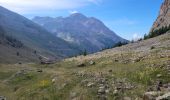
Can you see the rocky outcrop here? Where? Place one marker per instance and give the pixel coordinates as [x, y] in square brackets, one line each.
[163, 17]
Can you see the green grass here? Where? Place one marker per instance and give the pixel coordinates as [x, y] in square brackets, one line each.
[38, 86]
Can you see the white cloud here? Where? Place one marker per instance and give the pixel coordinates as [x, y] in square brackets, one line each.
[27, 6]
[73, 12]
[136, 36]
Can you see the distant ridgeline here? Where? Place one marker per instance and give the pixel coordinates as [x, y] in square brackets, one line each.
[157, 32]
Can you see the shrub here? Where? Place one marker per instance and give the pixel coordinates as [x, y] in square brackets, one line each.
[152, 47]
[85, 53]
[18, 54]
[13, 42]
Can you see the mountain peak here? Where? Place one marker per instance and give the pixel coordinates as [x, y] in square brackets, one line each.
[78, 15]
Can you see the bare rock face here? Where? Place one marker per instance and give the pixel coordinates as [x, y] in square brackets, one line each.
[163, 17]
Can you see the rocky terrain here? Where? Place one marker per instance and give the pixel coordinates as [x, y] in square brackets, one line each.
[137, 71]
[163, 17]
[88, 33]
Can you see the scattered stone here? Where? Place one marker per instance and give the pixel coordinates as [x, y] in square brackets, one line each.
[90, 84]
[164, 97]
[159, 75]
[81, 65]
[2, 98]
[47, 61]
[63, 85]
[53, 80]
[73, 94]
[107, 91]
[151, 95]
[92, 63]
[84, 82]
[135, 60]
[101, 90]
[115, 92]
[126, 98]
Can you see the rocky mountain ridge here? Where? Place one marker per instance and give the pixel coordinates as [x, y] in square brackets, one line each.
[88, 33]
[163, 18]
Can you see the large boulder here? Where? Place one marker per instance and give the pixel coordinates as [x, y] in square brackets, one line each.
[164, 97]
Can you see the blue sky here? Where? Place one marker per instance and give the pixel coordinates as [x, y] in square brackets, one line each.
[128, 18]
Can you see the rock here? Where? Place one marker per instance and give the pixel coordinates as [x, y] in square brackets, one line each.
[135, 60]
[53, 80]
[163, 18]
[73, 94]
[81, 65]
[84, 82]
[101, 90]
[159, 75]
[151, 95]
[164, 97]
[90, 84]
[115, 92]
[92, 63]
[2, 98]
[102, 80]
[63, 85]
[107, 91]
[126, 98]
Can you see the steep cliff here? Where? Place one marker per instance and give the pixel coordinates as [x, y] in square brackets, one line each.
[163, 17]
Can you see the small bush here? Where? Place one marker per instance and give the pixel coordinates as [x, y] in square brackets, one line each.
[152, 47]
[17, 54]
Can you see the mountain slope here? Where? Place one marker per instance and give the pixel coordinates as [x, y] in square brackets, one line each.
[14, 51]
[88, 33]
[33, 35]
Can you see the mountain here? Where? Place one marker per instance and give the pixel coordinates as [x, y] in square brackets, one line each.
[34, 36]
[14, 51]
[163, 18]
[88, 33]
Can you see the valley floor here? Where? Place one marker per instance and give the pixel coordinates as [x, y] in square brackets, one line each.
[123, 73]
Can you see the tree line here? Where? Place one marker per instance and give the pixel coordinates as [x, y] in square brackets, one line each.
[10, 40]
[157, 32]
